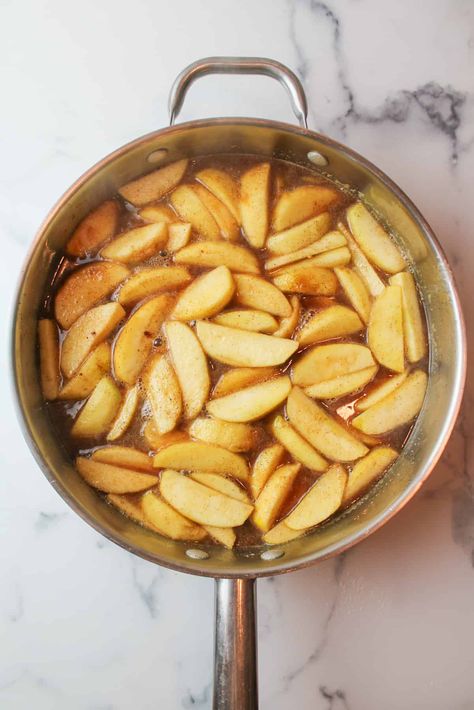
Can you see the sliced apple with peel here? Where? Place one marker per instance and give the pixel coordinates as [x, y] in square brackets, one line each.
[367, 470]
[385, 329]
[125, 415]
[325, 362]
[355, 290]
[343, 384]
[273, 495]
[321, 501]
[397, 408]
[125, 456]
[246, 319]
[296, 445]
[211, 254]
[280, 534]
[243, 348]
[414, 337]
[361, 264]
[179, 234]
[99, 411]
[374, 240]
[307, 278]
[255, 292]
[288, 325]
[164, 393]
[220, 483]
[199, 456]
[85, 287]
[201, 503]
[88, 375]
[190, 208]
[206, 296]
[331, 241]
[251, 403]
[234, 436]
[254, 204]
[48, 337]
[87, 332]
[158, 213]
[322, 430]
[157, 441]
[137, 244]
[301, 236]
[334, 322]
[113, 479]
[151, 280]
[264, 465]
[378, 393]
[224, 536]
[135, 340]
[295, 206]
[168, 521]
[190, 365]
[96, 228]
[240, 377]
[224, 187]
[151, 187]
[226, 222]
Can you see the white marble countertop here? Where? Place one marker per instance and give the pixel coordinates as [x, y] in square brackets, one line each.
[84, 625]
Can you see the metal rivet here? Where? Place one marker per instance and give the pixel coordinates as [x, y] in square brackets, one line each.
[158, 155]
[272, 554]
[195, 554]
[317, 158]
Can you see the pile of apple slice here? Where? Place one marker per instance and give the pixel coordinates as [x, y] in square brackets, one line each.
[281, 298]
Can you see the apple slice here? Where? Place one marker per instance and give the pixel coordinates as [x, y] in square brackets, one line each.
[224, 536]
[265, 464]
[158, 213]
[280, 534]
[125, 456]
[367, 470]
[96, 228]
[168, 521]
[87, 332]
[152, 280]
[382, 390]
[321, 501]
[301, 236]
[200, 503]
[221, 484]
[197, 456]
[385, 329]
[88, 375]
[84, 287]
[190, 208]
[179, 234]
[323, 431]
[325, 362]
[273, 495]
[49, 357]
[224, 187]
[99, 411]
[298, 205]
[415, 342]
[131, 508]
[138, 244]
[362, 265]
[135, 341]
[332, 258]
[296, 445]
[396, 409]
[355, 291]
[255, 292]
[254, 203]
[252, 402]
[113, 479]
[157, 441]
[190, 365]
[164, 393]
[307, 278]
[243, 348]
[211, 254]
[230, 435]
[241, 377]
[243, 319]
[205, 296]
[151, 187]
[227, 224]
[287, 325]
[125, 415]
[333, 322]
[331, 241]
[374, 240]
[342, 385]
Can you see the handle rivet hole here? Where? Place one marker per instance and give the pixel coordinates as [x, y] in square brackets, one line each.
[157, 155]
[268, 555]
[196, 554]
[317, 158]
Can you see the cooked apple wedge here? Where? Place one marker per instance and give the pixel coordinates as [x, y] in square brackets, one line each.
[168, 521]
[227, 224]
[243, 348]
[296, 445]
[179, 234]
[224, 187]
[307, 278]
[243, 319]
[206, 296]
[325, 362]
[135, 341]
[125, 456]
[362, 265]
[138, 244]
[200, 503]
[88, 375]
[272, 497]
[385, 329]
[49, 357]
[96, 228]
[99, 411]
[221, 484]
[355, 291]
[298, 205]
[322, 430]
[190, 208]
[342, 385]
[321, 501]
[87, 332]
[254, 204]
[280, 534]
[382, 390]
[190, 365]
[396, 409]
[241, 377]
[230, 435]
[287, 325]
[157, 441]
[197, 456]
[164, 393]
[212, 254]
[131, 508]
[333, 322]
[113, 479]
[301, 236]
[125, 415]
[84, 288]
[332, 258]
[152, 280]
[252, 402]
[374, 240]
[415, 341]
[330, 242]
[367, 470]
[158, 213]
[151, 187]
[255, 292]
[225, 536]
[263, 467]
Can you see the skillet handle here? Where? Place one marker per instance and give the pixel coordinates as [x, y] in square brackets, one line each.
[239, 65]
[235, 646]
